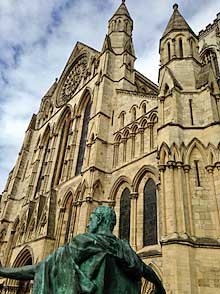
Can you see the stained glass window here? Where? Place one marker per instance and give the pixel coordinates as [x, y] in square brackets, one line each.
[150, 214]
[125, 208]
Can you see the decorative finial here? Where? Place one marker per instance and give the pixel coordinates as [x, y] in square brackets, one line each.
[123, 1]
[175, 6]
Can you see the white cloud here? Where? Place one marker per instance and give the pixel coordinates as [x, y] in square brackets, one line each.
[38, 36]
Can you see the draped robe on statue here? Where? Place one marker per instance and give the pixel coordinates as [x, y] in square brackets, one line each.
[90, 263]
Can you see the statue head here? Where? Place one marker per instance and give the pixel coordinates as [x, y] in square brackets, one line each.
[103, 218]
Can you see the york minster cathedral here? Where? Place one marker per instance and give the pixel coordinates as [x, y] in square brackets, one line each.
[107, 135]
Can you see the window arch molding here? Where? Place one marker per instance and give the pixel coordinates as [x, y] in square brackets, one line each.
[143, 177]
[43, 158]
[23, 256]
[85, 97]
[68, 111]
[83, 115]
[66, 218]
[120, 186]
[63, 127]
[146, 169]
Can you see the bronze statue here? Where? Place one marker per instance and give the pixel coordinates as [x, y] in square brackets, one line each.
[96, 262]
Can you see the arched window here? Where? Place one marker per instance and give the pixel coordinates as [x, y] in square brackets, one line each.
[82, 146]
[125, 208]
[134, 113]
[168, 51]
[22, 286]
[150, 214]
[67, 221]
[144, 108]
[63, 135]
[181, 48]
[209, 56]
[122, 119]
[45, 158]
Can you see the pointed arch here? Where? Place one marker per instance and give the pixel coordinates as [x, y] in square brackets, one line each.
[117, 184]
[66, 219]
[182, 152]
[85, 97]
[77, 194]
[98, 190]
[83, 188]
[126, 133]
[140, 174]
[85, 107]
[134, 128]
[122, 118]
[143, 122]
[64, 125]
[153, 116]
[133, 112]
[24, 257]
[150, 213]
[195, 143]
[212, 154]
[164, 153]
[175, 154]
[125, 211]
[45, 135]
[66, 197]
[67, 111]
[118, 138]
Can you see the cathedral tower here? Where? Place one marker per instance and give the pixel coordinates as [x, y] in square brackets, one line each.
[187, 144]
[106, 134]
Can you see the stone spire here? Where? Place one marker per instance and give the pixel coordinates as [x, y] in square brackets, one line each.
[121, 20]
[177, 23]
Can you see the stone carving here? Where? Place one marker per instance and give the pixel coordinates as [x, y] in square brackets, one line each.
[82, 265]
[72, 80]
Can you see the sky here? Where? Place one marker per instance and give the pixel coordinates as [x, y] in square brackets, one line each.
[37, 37]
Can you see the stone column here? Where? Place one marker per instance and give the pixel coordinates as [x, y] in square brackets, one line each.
[189, 200]
[133, 145]
[115, 154]
[174, 48]
[162, 169]
[76, 226]
[133, 228]
[59, 227]
[141, 131]
[150, 125]
[89, 146]
[172, 228]
[161, 110]
[181, 220]
[124, 143]
[210, 169]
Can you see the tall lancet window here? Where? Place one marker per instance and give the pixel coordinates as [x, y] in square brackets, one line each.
[125, 208]
[45, 149]
[82, 146]
[150, 214]
[63, 140]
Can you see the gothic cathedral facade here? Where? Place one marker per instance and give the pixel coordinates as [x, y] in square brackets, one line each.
[107, 135]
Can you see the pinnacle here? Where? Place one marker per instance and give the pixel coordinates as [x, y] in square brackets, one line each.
[122, 10]
[175, 6]
[177, 22]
